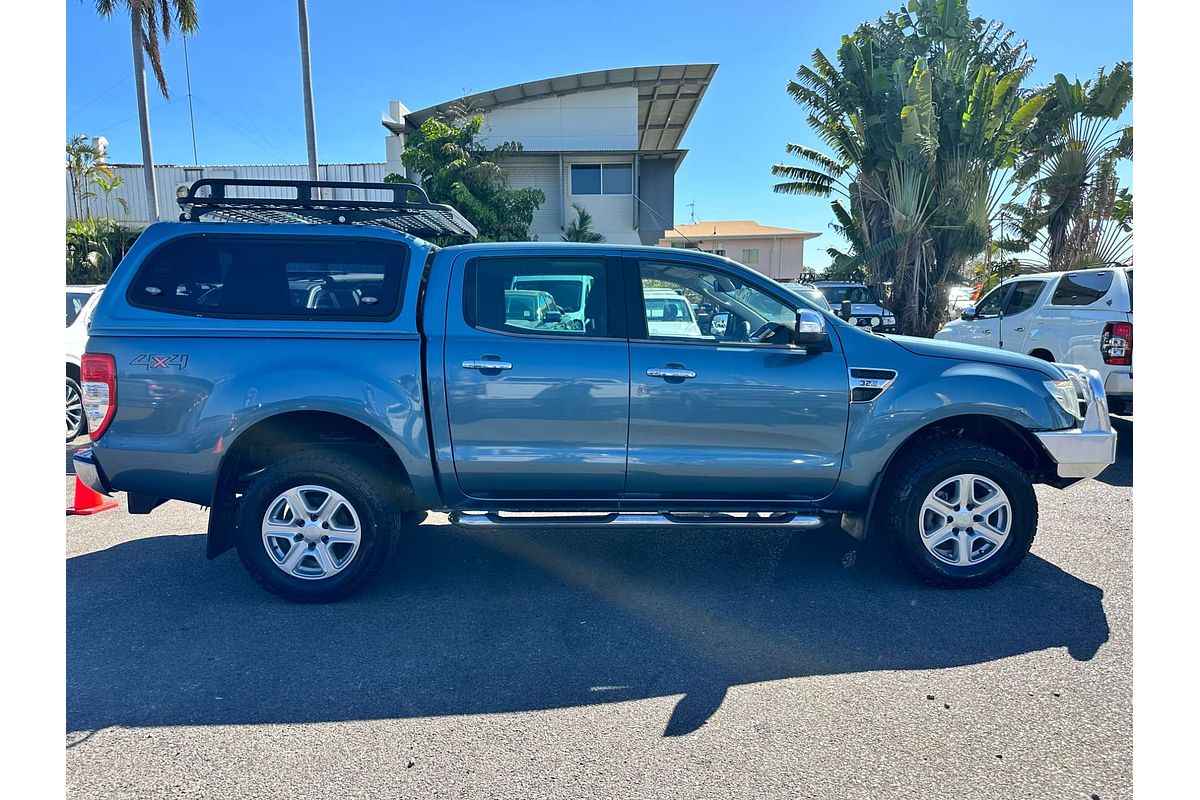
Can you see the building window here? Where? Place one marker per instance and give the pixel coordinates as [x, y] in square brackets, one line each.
[601, 179]
[750, 257]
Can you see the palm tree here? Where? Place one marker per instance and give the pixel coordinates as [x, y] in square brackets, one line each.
[923, 115]
[580, 229]
[146, 19]
[85, 164]
[1076, 212]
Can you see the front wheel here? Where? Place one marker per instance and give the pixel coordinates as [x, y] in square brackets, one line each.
[316, 527]
[960, 514]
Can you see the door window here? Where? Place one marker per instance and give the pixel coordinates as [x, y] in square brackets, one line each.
[989, 306]
[1024, 295]
[698, 304]
[540, 295]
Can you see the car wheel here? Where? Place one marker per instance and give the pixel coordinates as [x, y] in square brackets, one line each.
[959, 513]
[76, 421]
[316, 527]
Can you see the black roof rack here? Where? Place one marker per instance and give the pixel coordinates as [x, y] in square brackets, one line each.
[302, 202]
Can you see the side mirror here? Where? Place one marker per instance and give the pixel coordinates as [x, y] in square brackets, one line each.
[553, 317]
[969, 313]
[810, 330]
[847, 310]
[719, 325]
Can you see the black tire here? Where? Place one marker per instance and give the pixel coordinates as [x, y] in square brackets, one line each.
[918, 472]
[80, 428]
[373, 500]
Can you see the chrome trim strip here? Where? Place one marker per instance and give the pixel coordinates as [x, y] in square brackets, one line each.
[491, 519]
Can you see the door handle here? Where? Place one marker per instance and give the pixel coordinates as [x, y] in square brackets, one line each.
[989, 330]
[671, 372]
[1020, 330]
[485, 364]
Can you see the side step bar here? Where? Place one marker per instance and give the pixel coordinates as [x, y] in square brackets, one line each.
[492, 519]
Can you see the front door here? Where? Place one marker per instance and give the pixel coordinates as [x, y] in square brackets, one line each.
[537, 377]
[984, 329]
[717, 412]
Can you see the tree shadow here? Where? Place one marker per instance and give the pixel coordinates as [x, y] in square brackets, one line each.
[465, 622]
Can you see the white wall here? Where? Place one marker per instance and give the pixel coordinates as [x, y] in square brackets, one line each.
[612, 214]
[605, 119]
[540, 173]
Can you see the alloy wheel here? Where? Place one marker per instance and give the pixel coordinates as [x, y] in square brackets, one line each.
[965, 520]
[74, 411]
[311, 532]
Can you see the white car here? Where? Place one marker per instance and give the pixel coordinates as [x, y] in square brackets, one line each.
[1083, 317]
[959, 300]
[80, 302]
[668, 313]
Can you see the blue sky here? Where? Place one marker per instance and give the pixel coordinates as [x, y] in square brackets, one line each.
[246, 80]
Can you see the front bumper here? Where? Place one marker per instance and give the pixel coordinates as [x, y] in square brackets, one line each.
[1085, 451]
[88, 471]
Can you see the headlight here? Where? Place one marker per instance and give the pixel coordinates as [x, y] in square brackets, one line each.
[853, 320]
[874, 322]
[1064, 392]
[889, 320]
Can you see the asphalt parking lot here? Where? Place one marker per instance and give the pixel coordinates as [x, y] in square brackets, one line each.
[712, 663]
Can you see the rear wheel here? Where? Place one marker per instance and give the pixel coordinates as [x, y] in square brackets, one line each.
[960, 514]
[76, 422]
[316, 527]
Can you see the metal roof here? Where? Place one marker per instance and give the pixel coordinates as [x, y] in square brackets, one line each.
[667, 97]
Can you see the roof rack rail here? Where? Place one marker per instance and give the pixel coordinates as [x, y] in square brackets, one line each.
[302, 202]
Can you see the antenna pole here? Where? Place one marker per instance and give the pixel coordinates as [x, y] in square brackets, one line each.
[187, 70]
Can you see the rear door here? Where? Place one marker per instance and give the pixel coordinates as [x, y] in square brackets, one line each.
[1020, 308]
[538, 400]
[723, 415]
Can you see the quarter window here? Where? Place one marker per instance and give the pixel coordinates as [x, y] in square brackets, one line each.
[1081, 288]
[549, 296]
[272, 278]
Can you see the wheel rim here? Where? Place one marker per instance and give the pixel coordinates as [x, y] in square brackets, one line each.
[965, 520]
[74, 409]
[311, 532]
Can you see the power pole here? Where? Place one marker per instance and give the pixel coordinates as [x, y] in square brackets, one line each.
[310, 128]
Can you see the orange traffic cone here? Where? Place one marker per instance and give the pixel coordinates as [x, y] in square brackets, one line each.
[88, 501]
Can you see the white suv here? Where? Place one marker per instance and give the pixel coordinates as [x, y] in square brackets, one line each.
[1083, 317]
[80, 302]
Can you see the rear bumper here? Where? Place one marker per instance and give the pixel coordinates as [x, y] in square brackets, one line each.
[1119, 384]
[88, 471]
[1085, 451]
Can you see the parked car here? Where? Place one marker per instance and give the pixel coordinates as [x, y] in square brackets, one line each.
[959, 300]
[866, 310]
[809, 292]
[80, 302]
[317, 436]
[668, 313]
[1083, 317]
[567, 292]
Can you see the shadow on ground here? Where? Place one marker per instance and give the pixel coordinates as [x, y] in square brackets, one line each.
[470, 623]
[1121, 473]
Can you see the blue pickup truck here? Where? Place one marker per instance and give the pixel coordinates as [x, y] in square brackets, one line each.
[321, 386]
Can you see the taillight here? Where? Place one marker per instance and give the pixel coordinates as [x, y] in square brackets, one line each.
[99, 385]
[1116, 344]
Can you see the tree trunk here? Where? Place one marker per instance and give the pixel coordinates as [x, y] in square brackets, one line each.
[139, 80]
[310, 127]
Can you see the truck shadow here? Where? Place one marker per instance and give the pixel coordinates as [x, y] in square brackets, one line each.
[1121, 472]
[473, 623]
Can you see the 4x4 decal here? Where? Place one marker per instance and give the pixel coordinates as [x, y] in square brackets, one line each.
[150, 361]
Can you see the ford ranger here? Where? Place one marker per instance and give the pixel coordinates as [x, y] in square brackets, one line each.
[321, 386]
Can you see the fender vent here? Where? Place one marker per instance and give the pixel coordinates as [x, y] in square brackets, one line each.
[867, 383]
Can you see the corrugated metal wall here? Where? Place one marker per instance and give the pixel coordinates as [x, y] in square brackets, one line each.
[170, 177]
